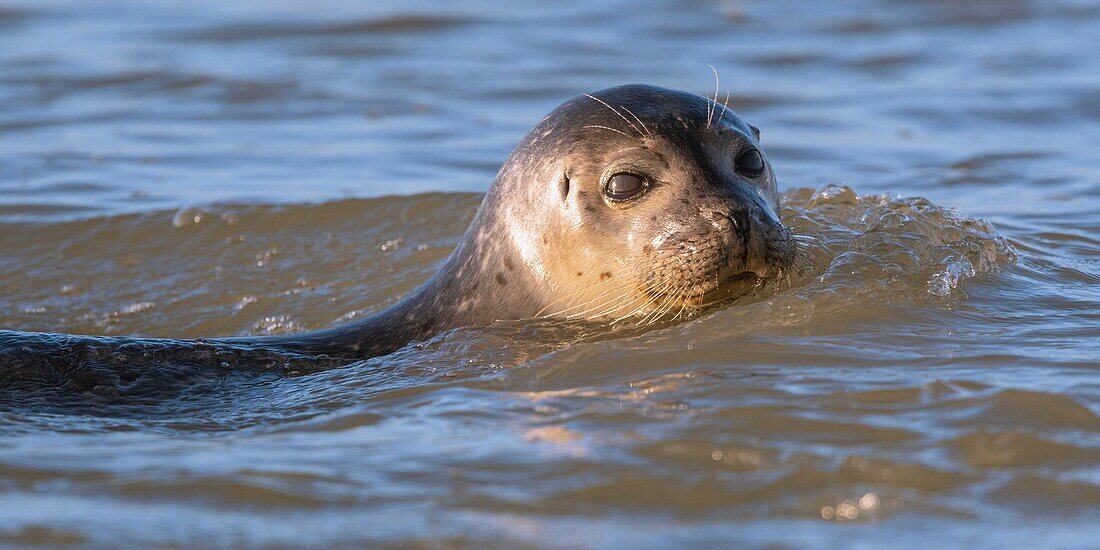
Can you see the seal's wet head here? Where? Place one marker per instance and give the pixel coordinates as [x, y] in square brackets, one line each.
[642, 202]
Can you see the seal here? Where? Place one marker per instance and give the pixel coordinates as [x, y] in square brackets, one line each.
[634, 203]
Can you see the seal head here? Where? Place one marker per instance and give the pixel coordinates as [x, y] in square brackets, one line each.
[639, 202]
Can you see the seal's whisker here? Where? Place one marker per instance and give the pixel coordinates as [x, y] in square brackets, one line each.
[568, 296]
[724, 108]
[623, 284]
[673, 303]
[663, 292]
[623, 107]
[713, 103]
[630, 313]
[641, 296]
[604, 103]
[634, 299]
[625, 300]
[788, 278]
[617, 298]
[806, 258]
[654, 289]
[658, 313]
[800, 264]
[681, 305]
[648, 318]
[607, 128]
[683, 311]
[614, 288]
[802, 251]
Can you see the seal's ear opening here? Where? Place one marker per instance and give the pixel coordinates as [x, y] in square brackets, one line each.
[563, 186]
[755, 131]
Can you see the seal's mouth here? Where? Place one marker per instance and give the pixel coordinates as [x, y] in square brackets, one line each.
[699, 272]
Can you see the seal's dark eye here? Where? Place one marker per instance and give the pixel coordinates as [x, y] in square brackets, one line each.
[623, 187]
[750, 163]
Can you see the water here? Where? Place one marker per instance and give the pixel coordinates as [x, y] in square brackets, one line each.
[172, 169]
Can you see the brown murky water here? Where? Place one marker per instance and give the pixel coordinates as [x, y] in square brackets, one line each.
[175, 171]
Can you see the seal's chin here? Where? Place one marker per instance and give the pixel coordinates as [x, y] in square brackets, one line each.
[708, 295]
[734, 287]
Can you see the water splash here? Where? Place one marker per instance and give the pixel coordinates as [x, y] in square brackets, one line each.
[943, 282]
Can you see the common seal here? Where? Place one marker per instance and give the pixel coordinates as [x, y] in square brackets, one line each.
[634, 202]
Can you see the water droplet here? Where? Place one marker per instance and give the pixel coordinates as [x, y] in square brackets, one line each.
[943, 282]
[847, 510]
[834, 193]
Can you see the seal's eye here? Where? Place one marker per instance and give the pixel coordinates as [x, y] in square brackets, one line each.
[750, 163]
[624, 186]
